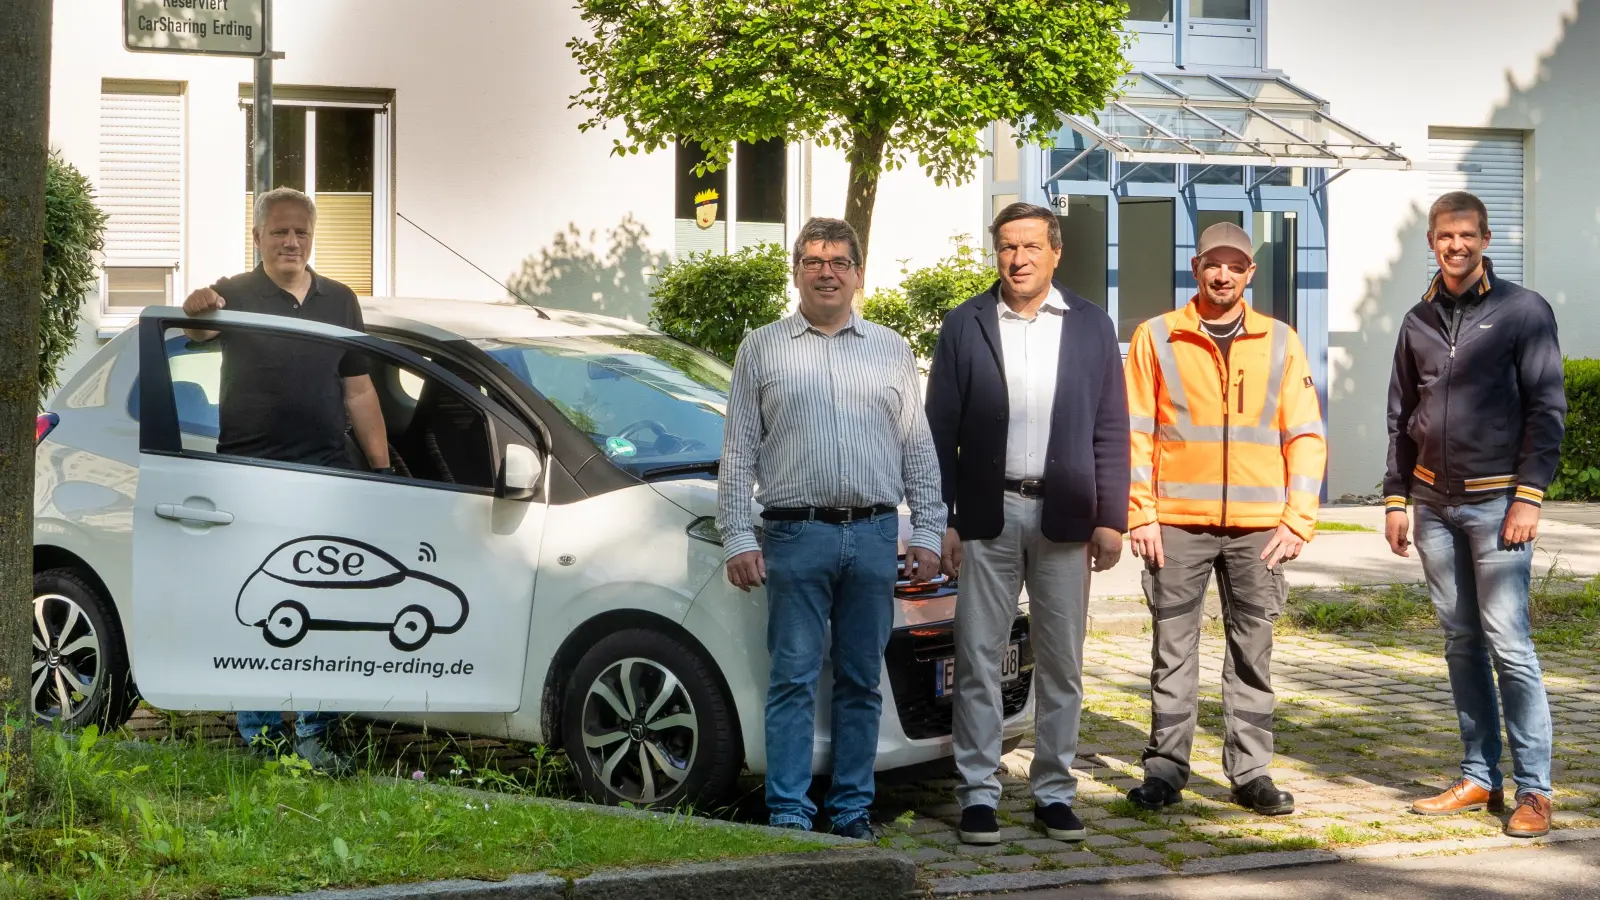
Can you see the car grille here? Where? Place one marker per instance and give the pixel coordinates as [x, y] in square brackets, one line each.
[910, 658]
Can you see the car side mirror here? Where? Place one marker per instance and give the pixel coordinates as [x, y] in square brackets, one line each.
[519, 472]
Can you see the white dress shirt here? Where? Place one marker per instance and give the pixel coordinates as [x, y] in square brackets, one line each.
[1030, 349]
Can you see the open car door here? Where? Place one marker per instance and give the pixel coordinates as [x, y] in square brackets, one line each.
[262, 585]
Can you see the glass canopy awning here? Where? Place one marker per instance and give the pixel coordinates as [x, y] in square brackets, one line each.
[1225, 120]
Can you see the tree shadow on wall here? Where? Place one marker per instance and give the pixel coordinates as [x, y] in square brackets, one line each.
[585, 273]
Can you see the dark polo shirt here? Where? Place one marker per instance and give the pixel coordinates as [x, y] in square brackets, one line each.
[283, 397]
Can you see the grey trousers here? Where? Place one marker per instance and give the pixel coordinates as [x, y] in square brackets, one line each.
[993, 573]
[1252, 597]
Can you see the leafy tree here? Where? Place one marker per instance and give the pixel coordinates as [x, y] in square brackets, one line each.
[711, 301]
[24, 154]
[917, 307]
[73, 231]
[885, 81]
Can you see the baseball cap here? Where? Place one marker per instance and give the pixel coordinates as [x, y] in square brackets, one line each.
[1225, 234]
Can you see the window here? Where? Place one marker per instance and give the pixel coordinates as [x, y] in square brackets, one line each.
[434, 431]
[646, 401]
[1277, 245]
[1229, 10]
[1150, 10]
[1083, 247]
[1490, 165]
[1228, 175]
[141, 191]
[1145, 274]
[1068, 146]
[335, 153]
[1149, 173]
[711, 217]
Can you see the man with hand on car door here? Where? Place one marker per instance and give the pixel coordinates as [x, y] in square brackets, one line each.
[284, 400]
[1028, 410]
[825, 421]
[1228, 456]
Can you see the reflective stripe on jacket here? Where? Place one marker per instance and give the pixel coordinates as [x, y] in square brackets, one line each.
[1241, 446]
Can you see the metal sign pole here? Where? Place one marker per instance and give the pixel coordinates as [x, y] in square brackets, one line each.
[262, 150]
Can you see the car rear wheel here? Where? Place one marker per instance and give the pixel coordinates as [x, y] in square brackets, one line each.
[80, 674]
[286, 624]
[411, 628]
[646, 721]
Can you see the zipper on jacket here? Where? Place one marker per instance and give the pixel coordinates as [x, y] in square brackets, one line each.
[1223, 371]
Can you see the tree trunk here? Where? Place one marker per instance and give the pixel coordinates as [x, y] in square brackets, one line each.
[865, 155]
[24, 148]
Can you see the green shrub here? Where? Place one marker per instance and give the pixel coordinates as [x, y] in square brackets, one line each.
[1578, 477]
[917, 307]
[712, 300]
[74, 229]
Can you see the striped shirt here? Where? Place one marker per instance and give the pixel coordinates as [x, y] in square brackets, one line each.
[833, 421]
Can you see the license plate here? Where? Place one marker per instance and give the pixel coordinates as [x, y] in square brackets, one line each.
[944, 671]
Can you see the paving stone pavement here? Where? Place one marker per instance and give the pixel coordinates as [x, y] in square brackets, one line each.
[1364, 724]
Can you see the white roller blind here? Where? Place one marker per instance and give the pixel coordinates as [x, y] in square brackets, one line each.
[1488, 164]
[141, 178]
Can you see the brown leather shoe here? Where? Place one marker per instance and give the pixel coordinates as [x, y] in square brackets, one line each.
[1463, 796]
[1532, 818]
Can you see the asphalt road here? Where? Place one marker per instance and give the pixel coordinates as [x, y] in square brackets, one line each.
[1559, 872]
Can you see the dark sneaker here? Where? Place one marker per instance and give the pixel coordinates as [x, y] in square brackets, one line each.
[314, 751]
[1154, 794]
[859, 828]
[1060, 822]
[1263, 797]
[978, 825]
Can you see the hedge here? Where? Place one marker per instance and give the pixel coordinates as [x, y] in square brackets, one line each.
[1578, 478]
[712, 300]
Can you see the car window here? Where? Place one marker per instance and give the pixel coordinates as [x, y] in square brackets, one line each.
[647, 401]
[278, 396]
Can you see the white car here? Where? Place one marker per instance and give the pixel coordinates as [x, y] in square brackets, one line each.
[543, 566]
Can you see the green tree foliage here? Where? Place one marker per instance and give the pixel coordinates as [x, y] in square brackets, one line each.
[885, 81]
[1578, 477]
[712, 300]
[73, 232]
[917, 307]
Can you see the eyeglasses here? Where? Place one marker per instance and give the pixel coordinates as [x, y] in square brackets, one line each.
[840, 265]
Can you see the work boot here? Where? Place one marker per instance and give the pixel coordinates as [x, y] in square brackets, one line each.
[1532, 818]
[1264, 798]
[1154, 794]
[979, 825]
[1463, 796]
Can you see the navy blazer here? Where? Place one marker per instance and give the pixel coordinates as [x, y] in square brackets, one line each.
[1086, 467]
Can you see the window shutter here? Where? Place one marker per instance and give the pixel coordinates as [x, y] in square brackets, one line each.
[1488, 164]
[141, 178]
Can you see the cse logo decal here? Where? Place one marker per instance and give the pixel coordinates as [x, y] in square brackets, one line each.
[326, 583]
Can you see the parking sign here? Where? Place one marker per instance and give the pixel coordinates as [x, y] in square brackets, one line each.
[216, 27]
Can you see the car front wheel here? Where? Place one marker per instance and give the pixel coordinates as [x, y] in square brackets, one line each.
[645, 721]
[80, 673]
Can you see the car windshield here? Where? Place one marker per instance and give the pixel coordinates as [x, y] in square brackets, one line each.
[650, 403]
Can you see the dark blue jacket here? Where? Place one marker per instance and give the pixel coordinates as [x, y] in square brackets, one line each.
[1086, 469]
[1477, 404]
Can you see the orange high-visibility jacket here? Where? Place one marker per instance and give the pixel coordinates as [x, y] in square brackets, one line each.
[1241, 446]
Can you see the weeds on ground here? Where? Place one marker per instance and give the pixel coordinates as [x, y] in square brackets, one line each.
[1345, 526]
[124, 819]
[1396, 606]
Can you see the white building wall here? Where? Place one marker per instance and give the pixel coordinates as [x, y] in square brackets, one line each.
[487, 156]
[1395, 70]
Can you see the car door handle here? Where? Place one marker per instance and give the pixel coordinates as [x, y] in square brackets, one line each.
[192, 514]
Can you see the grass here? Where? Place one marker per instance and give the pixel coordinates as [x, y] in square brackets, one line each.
[1396, 606]
[183, 820]
[1345, 526]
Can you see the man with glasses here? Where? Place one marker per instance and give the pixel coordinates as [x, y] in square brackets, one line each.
[1027, 406]
[825, 423]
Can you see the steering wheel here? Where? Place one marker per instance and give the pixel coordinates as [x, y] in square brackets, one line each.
[666, 443]
[655, 427]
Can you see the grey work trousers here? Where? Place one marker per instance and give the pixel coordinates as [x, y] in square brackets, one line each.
[1252, 597]
[993, 573]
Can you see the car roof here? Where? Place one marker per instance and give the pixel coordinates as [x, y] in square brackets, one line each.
[479, 319]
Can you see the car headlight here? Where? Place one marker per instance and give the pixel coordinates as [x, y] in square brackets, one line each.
[705, 529]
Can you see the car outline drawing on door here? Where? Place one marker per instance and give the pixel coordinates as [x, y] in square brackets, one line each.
[222, 543]
[286, 603]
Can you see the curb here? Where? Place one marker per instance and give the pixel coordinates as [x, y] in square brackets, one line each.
[1222, 865]
[866, 874]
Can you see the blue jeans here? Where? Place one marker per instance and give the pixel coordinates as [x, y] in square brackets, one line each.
[253, 724]
[816, 574]
[1480, 591]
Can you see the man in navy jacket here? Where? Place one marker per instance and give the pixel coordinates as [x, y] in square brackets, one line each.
[1029, 414]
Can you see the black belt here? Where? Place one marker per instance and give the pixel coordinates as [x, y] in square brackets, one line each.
[1027, 487]
[833, 515]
